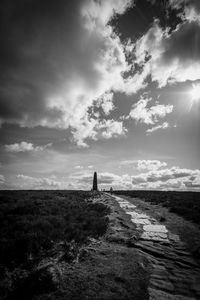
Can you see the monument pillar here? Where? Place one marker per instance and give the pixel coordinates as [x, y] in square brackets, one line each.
[95, 187]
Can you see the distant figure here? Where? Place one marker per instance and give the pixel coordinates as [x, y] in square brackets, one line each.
[95, 188]
[111, 190]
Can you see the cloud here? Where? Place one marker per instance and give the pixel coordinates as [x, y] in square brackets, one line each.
[150, 164]
[90, 167]
[165, 125]
[172, 177]
[105, 180]
[193, 184]
[159, 177]
[25, 147]
[99, 13]
[136, 82]
[128, 162]
[149, 115]
[96, 129]
[2, 179]
[170, 56]
[112, 128]
[108, 178]
[106, 102]
[86, 129]
[144, 164]
[56, 64]
[78, 167]
[117, 182]
[37, 183]
[190, 8]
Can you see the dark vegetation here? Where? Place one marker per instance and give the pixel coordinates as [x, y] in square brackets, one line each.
[33, 222]
[185, 204]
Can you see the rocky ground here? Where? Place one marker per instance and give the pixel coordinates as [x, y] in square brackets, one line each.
[171, 244]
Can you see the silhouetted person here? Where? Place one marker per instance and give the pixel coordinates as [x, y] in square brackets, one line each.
[111, 190]
[95, 188]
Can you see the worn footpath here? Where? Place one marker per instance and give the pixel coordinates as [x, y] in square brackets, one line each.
[174, 274]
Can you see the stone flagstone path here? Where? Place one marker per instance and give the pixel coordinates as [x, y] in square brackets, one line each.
[175, 274]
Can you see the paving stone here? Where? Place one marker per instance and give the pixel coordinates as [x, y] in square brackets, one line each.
[175, 274]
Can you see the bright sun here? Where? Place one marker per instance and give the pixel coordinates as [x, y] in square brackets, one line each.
[195, 93]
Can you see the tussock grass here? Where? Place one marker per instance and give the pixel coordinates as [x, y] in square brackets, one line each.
[31, 222]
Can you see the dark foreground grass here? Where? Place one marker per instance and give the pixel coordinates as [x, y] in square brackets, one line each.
[31, 222]
[185, 204]
[50, 249]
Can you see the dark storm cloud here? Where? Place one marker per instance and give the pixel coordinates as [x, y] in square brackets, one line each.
[135, 22]
[35, 31]
[57, 57]
[187, 6]
[191, 185]
[183, 44]
[35, 52]
[173, 56]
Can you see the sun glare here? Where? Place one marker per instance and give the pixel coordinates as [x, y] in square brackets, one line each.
[195, 93]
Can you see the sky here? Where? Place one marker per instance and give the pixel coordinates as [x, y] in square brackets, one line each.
[111, 86]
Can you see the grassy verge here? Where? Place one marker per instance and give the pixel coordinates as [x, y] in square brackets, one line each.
[35, 224]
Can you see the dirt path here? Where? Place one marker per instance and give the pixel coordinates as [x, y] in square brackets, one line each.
[175, 274]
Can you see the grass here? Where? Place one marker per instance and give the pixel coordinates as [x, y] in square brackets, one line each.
[34, 226]
[185, 204]
[31, 222]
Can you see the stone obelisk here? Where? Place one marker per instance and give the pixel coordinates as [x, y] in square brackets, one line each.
[95, 187]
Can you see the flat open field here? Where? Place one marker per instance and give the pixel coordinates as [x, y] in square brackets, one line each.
[57, 245]
[90, 245]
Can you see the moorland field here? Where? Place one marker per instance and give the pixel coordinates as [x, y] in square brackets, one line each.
[185, 204]
[33, 222]
[30, 222]
[46, 236]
